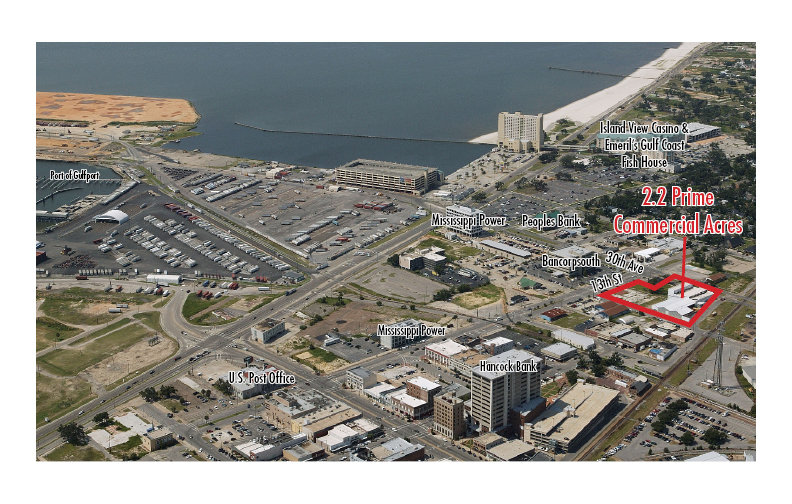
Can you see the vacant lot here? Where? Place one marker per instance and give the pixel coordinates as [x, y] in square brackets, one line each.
[57, 396]
[194, 305]
[735, 283]
[50, 331]
[712, 320]
[453, 251]
[320, 360]
[70, 453]
[113, 370]
[69, 362]
[400, 284]
[81, 306]
[103, 109]
[571, 320]
[478, 297]
[254, 302]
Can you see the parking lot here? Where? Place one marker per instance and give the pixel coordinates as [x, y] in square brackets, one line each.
[696, 419]
[299, 211]
[157, 237]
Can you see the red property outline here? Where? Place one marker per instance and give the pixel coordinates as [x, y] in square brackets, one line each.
[609, 295]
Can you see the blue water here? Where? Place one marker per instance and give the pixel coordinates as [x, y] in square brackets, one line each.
[77, 190]
[435, 91]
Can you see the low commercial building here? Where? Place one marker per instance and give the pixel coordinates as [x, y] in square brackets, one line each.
[303, 452]
[574, 252]
[380, 392]
[565, 425]
[574, 339]
[527, 283]
[157, 439]
[609, 331]
[443, 351]
[112, 216]
[253, 383]
[498, 345]
[662, 354]
[559, 352]
[646, 255]
[411, 262]
[506, 250]
[360, 378]
[698, 132]
[715, 278]
[389, 176]
[164, 279]
[635, 341]
[512, 450]
[612, 309]
[267, 329]
[395, 341]
[421, 388]
[464, 362]
[410, 406]
[398, 449]
[553, 314]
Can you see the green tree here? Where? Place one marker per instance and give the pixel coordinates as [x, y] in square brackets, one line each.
[149, 394]
[500, 186]
[687, 439]
[167, 391]
[439, 269]
[572, 376]
[102, 419]
[379, 303]
[479, 197]
[464, 288]
[714, 437]
[567, 161]
[564, 175]
[73, 434]
[539, 185]
[394, 260]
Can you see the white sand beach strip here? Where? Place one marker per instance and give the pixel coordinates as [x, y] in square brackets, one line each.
[597, 104]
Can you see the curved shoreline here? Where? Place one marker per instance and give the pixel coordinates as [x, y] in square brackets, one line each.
[588, 108]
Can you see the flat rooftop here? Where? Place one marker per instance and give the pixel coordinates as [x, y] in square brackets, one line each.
[386, 168]
[423, 383]
[506, 248]
[585, 400]
[447, 348]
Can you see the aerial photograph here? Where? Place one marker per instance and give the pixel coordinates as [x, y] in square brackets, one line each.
[375, 252]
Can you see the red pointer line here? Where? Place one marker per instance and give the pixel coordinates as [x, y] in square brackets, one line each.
[684, 249]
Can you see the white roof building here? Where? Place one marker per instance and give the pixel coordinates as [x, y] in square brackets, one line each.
[112, 216]
[573, 338]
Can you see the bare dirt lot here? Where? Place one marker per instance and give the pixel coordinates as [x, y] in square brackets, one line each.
[102, 109]
[138, 356]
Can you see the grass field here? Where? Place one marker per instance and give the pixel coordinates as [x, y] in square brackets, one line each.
[735, 283]
[571, 320]
[550, 389]
[453, 251]
[163, 302]
[323, 354]
[711, 321]
[69, 362]
[71, 305]
[50, 331]
[70, 453]
[132, 446]
[704, 352]
[733, 327]
[194, 304]
[101, 332]
[57, 396]
[480, 296]
[151, 319]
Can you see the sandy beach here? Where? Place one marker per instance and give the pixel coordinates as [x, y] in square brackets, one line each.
[588, 108]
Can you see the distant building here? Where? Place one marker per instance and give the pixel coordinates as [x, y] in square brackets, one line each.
[520, 133]
[267, 329]
[506, 250]
[389, 176]
[423, 389]
[449, 416]
[576, 252]
[395, 341]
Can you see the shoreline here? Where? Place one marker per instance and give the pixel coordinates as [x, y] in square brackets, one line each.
[593, 105]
